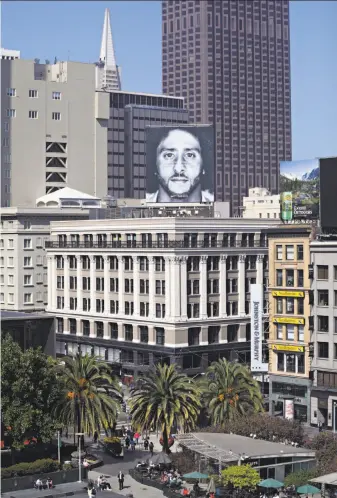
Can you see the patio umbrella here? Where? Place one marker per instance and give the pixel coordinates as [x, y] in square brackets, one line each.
[195, 475]
[160, 458]
[307, 490]
[271, 483]
[211, 486]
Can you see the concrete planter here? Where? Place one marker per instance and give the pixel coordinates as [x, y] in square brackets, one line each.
[27, 482]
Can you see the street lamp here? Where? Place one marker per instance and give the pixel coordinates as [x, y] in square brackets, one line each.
[80, 434]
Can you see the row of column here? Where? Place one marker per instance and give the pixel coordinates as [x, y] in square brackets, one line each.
[175, 283]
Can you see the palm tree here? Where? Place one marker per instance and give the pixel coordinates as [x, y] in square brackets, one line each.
[164, 398]
[90, 395]
[229, 390]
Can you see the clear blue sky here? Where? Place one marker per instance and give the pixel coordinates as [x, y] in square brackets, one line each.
[46, 29]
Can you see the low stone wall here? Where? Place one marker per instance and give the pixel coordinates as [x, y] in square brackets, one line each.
[154, 484]
[27, 482]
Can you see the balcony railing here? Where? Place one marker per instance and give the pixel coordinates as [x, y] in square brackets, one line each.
[170, 244]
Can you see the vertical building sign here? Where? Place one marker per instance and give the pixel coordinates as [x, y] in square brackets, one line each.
[289, 409]
[256, 308]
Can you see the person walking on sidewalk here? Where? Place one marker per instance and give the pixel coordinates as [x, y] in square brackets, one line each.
[151, 448]
[120, 480]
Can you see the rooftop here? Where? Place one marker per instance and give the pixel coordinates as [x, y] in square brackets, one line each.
[230, 447]
[21, 315]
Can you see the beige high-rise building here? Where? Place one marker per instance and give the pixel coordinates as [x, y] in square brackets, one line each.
[54, 130]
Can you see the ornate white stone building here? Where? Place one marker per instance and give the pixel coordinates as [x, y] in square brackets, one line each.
[138, 291]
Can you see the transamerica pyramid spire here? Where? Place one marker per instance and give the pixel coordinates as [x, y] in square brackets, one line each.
[107, 71]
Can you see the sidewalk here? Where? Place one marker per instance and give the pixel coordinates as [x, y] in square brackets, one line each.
[61, 490]
[130, 486]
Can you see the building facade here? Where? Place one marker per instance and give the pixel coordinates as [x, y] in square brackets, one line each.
[54, 130]
[261, 204]
[158, 289]
[130, 114]
[289, 312]
[231, 63]
[23, 261]
[323, 272]
[30, 330]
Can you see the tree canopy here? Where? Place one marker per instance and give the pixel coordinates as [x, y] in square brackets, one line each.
[229, 390]
[164, 398]
[90, 395]
[29, 389]
[241, 476]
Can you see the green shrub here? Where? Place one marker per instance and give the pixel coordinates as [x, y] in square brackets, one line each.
[113, 445]
[42, 466]
[67, 466]
[301, 477]
[111, 440]
[264, 426]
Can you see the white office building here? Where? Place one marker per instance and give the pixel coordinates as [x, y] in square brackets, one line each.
[137, 291]
[261, 204]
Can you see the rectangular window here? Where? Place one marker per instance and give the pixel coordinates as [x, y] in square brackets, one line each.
[56, 116]
[301, 333]
[322, 323]
[300, 278]
[32, 114]
[27, 280]
[279, 305]
[290, 332]
[279, 252]
[323, 298]
[279, 331]
[279, 278]
[27, 244]
[10, 113]
[6, 126]
[335, 272]
[144, 334]
[300, 254]
[289, 253]
[323, 350]
[27, 261]
[33, 94]
[56, 95]
[5, 142]
[290, 305]
[300, 306]
[160, 336]
[28, 298]
[27, 225]
[11, 92]
[322, 272]
[290, 279]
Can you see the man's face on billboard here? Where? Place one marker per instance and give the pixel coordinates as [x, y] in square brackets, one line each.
[179, 163]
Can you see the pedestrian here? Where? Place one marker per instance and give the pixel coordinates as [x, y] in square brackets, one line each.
[137, 436]
[151, 448]
[127, 442]
[120, 480]
[146, 444]
[320, 426]
[133, 444]
[95, 437]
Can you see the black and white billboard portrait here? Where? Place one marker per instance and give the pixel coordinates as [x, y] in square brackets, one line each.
[180, 164]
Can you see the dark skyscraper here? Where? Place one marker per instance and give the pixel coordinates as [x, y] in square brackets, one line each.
[230, 59]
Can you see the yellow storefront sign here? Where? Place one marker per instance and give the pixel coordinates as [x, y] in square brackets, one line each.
[292, 321]
[286, 347]
[287, 293]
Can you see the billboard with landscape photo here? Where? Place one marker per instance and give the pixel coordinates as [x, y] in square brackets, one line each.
[299, 189]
